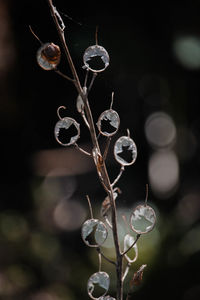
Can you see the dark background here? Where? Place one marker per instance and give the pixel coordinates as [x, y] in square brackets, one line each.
[43, 186]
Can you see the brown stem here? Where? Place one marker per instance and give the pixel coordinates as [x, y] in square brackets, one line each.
[105, 257]
[100, 162]
[137, 238]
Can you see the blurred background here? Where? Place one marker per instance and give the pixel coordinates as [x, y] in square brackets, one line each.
[154, 71]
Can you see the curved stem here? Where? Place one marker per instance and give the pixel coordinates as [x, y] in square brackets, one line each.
[137, 238]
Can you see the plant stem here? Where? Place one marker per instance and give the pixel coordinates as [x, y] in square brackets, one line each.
[99, 161]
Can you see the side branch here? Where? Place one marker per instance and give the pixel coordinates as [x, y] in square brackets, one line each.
[105, 257]
[137, 238]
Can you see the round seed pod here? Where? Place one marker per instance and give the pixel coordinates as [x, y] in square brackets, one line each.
[143, 219]
[98, 285]
[48, 56]
[64, 125]
[125, 151]
[94, 230]
[93, 53]
[111, 117]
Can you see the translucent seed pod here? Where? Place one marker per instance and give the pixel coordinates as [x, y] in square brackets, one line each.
[128, 242]
[98, 285]
[143, 219]
[125, 151]
[108, 122]
[64, 125]
[94, 233]
[91, 59]
[48, 56]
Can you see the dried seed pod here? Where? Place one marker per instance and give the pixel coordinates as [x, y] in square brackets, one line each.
[48, 56]
[125, 151]
[137, 276]
[94, 233]
[112, 120]
[143, 219]
[128, 241]
[92, 54]
[98, 285]
[64, 125]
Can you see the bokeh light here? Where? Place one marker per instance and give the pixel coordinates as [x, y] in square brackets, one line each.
[187, 51]
[163, 171]
[64, 215]
[160, 130]
[13, 226]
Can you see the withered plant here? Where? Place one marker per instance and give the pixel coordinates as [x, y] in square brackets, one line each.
[94, 231]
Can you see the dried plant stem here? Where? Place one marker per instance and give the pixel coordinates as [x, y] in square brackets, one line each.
[100, 164]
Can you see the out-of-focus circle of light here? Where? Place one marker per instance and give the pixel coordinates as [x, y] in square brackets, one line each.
[69, 215]
[56, 187]
[187, 51]
[163, 172]
[160, 130]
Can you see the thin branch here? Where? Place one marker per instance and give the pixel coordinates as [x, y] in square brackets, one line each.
[33, 33]
[147, 194]
[58, 111]
[54, 14]
[62, 24]
[107, 147]
[105, 257]
[112, 99]
[137, 238]
[100, 256]
[92, 81]
[64, 76]
[90, 207]
[119, 175]
[85, 120]
[96, 34]
[82, 150]
[126, 271]
[86, 78]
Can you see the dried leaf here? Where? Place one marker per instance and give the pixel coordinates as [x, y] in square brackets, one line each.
[137, 276]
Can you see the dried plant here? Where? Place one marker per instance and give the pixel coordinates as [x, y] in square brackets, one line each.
[94, 231]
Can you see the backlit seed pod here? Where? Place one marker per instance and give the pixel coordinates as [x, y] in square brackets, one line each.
[96, 59]
[143, 219]
[108, 122]
[94, 233]
[48, 56]
[98, 285]
[125, 151]
[67, 131]
[128, 242]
